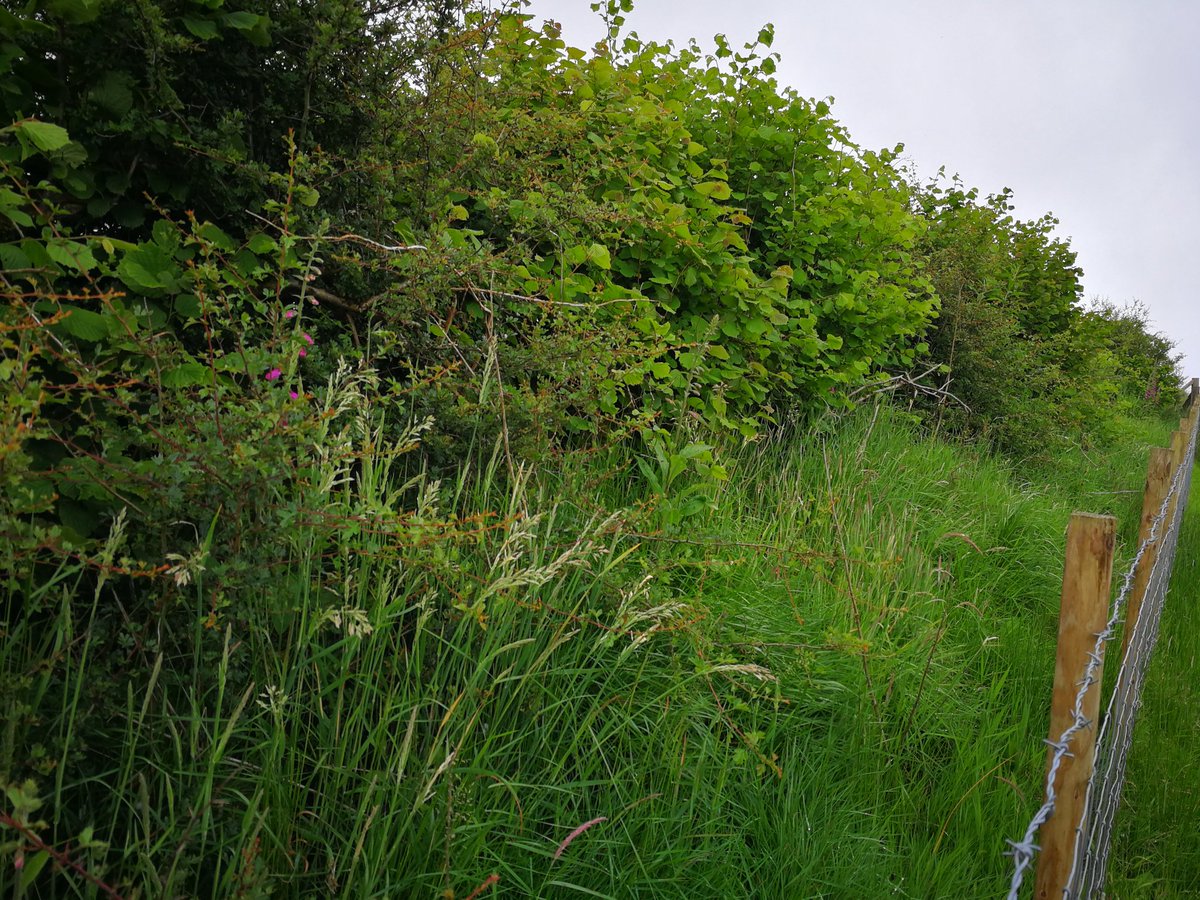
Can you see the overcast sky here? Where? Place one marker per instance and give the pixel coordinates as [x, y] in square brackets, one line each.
[1085, 108]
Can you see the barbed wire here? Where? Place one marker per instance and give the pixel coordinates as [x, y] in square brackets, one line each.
[1024, 850]
[1094, 837]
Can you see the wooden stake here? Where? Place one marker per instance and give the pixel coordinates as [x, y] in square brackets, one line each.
[1158, 482]
[1087, 579]
[1179, 442]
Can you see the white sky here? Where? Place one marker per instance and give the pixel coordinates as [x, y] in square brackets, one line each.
[1085, 108]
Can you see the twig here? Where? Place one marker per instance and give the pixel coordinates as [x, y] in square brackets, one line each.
[896, 382]
[59, 856]
[387, 248]
[341, 238]
[548, 302]
[937, 639]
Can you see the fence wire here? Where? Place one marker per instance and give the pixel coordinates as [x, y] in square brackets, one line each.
[1093, 838]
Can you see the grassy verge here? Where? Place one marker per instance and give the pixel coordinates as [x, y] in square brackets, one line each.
[1155, 852]
[833, 682]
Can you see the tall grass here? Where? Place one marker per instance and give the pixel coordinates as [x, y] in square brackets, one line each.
[833, 682]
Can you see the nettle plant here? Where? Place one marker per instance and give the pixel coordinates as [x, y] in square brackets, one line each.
[701, 242]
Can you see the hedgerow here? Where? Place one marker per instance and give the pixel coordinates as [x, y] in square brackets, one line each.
[275, 269]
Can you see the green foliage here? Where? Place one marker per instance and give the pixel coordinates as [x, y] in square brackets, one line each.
[188, 102]
[1145, 364]
[1035, 370]
[664, 469]
[690, 235]
[251, 645]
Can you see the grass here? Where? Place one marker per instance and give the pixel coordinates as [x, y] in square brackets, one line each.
[833, 681]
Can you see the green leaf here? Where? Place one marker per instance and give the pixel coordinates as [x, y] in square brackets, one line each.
[12, 210]
[11, 258]
[717, 190]
[231, 362]
[84, 324]
[188, 306]
[242, 21]
[188, 374]
[218, 238]
[756, 327]
[598, 254]
[148, 269]
[33, 867]
[114, 93]
[77, 12]
[71, 255]
[205, 29]
[43, 135]
[81, 518]
[262, 244]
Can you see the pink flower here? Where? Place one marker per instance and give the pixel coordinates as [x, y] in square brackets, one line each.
[289, 314]
[273, 375]
[303, 353]
[307, 337]
[293, 395]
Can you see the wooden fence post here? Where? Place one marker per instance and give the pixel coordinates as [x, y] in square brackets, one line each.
[1087, 580]
[1179, 442]
[1158, 482]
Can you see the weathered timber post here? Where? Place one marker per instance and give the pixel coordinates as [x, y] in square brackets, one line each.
[1158, 482]
[1087, 579]
[1179, 442]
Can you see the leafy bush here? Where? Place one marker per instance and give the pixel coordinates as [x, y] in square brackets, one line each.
[743, 257]
[1033, 369]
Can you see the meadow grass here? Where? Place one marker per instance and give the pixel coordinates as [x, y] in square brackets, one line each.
[833, 680]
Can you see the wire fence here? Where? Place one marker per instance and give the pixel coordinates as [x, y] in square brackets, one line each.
[1094, 836]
